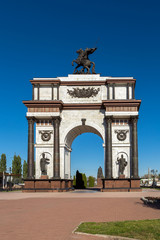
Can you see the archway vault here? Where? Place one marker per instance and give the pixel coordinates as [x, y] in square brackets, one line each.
[78, 130]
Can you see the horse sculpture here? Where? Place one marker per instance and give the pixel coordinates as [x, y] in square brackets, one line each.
[83, 61]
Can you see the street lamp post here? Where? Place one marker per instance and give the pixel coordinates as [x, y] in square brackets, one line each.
[10, 184]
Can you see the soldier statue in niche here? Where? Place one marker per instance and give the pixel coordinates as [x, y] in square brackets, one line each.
[43, 164]
[122, 164]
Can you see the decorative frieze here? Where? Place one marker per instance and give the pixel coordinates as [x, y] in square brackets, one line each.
[83, 92]
[121, 109]
[43, 109]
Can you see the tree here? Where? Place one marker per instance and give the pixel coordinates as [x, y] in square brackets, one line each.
[74, 180]
[79, 180]
[154, 174]
[25, 169]
[91, 181]
[84, 178]
[3, 164]
[16, 168]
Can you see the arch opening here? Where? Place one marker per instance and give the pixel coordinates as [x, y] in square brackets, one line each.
[78, 130]
[88, 153]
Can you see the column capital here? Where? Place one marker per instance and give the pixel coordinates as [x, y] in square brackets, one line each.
[134, 119]
[56, 119]
[109, 119]
[31, 119]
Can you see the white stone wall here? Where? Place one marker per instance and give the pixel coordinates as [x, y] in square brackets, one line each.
[45, 92]
[120, 92]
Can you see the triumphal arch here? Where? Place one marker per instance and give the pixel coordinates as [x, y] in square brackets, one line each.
[64, 107]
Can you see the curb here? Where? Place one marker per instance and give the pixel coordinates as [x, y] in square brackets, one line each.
[101, 235]
[105, 236]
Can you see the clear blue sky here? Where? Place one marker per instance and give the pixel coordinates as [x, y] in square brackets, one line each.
[39, 39]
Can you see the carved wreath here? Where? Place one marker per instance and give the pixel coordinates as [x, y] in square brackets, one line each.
[45, 135]
[121, 134]
[83, 92]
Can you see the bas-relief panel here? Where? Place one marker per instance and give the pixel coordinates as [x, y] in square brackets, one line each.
[67, 98]
[39, 135]
[114, 134]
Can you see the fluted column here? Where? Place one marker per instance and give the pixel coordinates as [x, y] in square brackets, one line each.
[30, 147]
[108, 154]
[134, 174]
[56, 155]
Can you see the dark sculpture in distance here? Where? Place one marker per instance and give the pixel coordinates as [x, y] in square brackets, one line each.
[84, 62]
[122, 164]
[43, 162]
[100, 173]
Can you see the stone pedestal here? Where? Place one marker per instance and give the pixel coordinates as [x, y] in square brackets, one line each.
[121, 185]
[44, 177]
[122, 176]
[99, 183]
[48, 185]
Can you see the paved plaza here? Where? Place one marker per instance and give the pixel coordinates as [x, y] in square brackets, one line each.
[37, 216]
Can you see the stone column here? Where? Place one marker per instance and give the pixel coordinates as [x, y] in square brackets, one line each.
[108, 153]
[30, 147]
[134, 147]
[56, 155]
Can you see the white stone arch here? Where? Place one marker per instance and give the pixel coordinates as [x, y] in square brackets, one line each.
[92, 128]
[73, 131]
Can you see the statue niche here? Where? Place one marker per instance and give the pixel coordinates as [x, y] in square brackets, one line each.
[122, 164]
[43, 164]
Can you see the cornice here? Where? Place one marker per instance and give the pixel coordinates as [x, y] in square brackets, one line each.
[82, 106]
[127, 103]
[55, 103]
[119, 81]
[46, 81]
[82, 83]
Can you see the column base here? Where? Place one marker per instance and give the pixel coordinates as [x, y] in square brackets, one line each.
[58, 178]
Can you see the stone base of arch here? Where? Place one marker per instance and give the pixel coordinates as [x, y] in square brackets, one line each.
[48, 185]
[121, 185]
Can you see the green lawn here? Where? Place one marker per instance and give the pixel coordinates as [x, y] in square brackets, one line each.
[143, 229]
